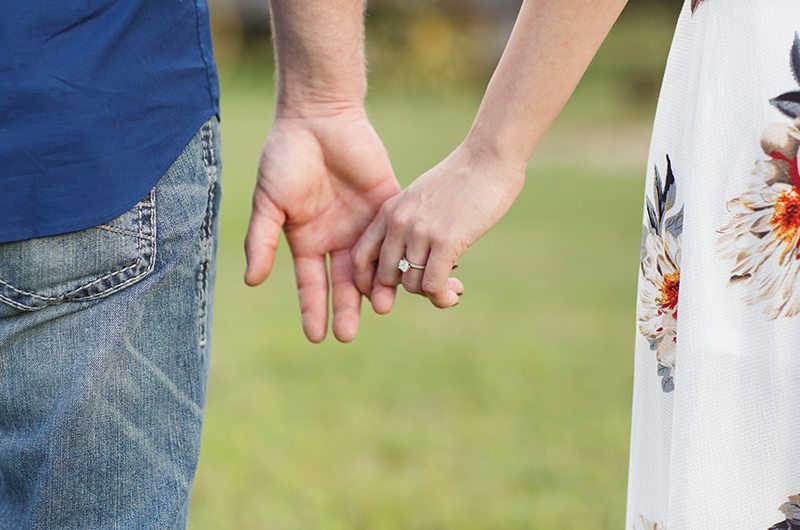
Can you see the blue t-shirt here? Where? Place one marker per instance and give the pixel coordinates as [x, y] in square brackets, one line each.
[97, 99]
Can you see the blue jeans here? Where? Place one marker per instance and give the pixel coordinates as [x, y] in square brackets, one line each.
[104, 350]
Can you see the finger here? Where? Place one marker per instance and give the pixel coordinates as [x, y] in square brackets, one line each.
[262, 238]
[417, 251]
[312, 290]
[436, 281]
[366, 252]
[454, 284]
[382, 298]
[390, 255]
[346, 297]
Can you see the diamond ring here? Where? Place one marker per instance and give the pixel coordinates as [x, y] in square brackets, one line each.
[404, 265]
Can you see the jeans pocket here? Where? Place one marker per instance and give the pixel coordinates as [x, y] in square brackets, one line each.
[78, 266]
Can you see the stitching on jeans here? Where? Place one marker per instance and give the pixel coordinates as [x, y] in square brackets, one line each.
[212, 155]
[130, 280]
[122, 231]
[120, 271]
[150, 201]
[150, 266]
[26, 293]
[52, 298]
[209, 163]
[14, 303]
[203, 240]
[203, 301]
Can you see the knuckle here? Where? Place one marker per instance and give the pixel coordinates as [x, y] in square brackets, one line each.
[386, 269]
[455, 250]
[453, 257]
[358, 256]
[400, 219]
[431, 287]
[387, 278]
[387, 207]
[418, 230]
[410, 286]
[439, 239]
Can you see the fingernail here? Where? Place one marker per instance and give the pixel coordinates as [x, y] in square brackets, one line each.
[454, 299]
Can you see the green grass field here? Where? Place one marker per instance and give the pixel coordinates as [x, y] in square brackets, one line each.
[510, 411]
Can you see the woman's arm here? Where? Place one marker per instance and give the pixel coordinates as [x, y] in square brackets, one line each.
[448, 208]
[550, 48]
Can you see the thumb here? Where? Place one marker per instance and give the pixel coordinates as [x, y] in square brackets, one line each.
[262, 238]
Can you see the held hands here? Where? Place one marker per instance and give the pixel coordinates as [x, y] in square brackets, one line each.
[433, 222]
[327, 181]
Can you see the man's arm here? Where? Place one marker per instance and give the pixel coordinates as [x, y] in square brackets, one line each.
[319, 48]
[324, 172]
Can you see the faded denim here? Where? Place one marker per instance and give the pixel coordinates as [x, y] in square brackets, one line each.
[104, 351]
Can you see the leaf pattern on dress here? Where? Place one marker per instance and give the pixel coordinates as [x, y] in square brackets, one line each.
[696, 4]
[789, 102]
[660, 258]
[791, 509]
[646, 524]
[762, 237]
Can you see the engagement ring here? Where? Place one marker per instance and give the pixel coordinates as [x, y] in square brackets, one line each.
[405, 265]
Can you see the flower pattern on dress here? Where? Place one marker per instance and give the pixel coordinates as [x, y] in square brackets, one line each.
[660, 275]
[791, 509]
[763, 235]
[646, 524]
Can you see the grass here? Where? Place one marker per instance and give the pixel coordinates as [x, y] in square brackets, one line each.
[508, 412]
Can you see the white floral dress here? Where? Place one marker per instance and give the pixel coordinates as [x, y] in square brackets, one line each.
[715, 441]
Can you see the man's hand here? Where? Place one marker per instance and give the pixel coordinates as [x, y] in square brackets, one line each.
[322, 178]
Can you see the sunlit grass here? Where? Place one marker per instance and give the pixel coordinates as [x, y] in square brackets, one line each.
[508, 412]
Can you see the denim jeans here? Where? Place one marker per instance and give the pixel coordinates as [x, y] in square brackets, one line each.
[104, 350]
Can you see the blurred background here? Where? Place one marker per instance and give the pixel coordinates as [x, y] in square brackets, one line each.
[510, 411]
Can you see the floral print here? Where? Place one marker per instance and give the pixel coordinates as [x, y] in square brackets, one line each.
[696, 4]
[791, 509]
[763, 235]
[646, 524]
[731, 272]
[660, 275]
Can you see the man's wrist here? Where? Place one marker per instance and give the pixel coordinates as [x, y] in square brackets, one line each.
[306, 95]
[305, 104]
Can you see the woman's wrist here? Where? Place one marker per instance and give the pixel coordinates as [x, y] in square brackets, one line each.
[487, 147]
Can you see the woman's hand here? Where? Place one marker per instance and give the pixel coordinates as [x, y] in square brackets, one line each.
[447, 209]
[433, 222]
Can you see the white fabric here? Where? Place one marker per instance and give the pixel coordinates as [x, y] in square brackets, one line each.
[722, 449]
